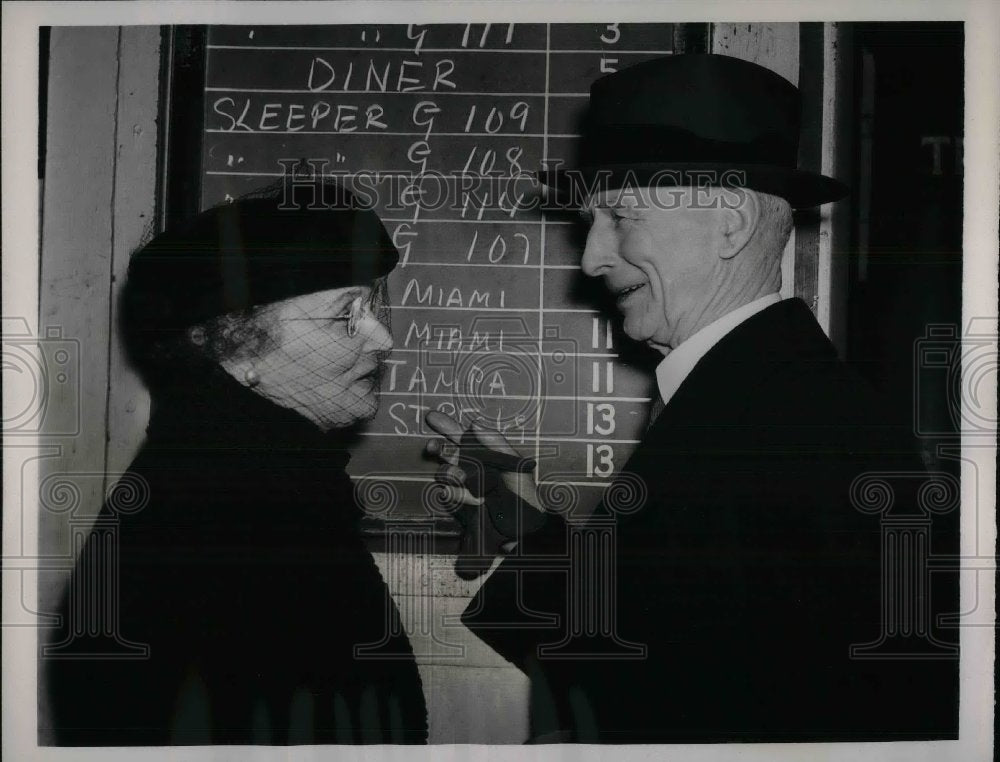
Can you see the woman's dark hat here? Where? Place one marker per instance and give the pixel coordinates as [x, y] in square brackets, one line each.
[694, 119]
[258, 249]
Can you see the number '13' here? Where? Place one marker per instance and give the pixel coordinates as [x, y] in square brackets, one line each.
[605, 463]
[606, 411]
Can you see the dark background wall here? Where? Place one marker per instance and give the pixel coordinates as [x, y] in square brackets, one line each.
[908, 274]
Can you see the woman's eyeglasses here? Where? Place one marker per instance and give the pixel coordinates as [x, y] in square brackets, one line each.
[363, 307]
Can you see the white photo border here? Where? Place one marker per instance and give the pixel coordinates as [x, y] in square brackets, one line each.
[981, 202]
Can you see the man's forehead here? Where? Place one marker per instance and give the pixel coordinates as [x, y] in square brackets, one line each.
[618, 196]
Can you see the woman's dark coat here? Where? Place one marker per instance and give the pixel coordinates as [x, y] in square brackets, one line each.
[246, 576]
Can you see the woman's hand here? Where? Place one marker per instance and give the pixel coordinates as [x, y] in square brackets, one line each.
[480, 468]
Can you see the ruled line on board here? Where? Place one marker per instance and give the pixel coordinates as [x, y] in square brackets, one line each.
[497, 265]
[469, 264]
[557, 310]
[431, 479]
[544, 483]
[348, 48]
[389, 133]
[526, 353]
[423, 93]
[482, 222]
[426, 221]
[543, 398]
[377, 173]
[542, 439]
[487, 265]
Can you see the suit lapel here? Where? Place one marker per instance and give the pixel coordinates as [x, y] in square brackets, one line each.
[725, 381]
[704, 416]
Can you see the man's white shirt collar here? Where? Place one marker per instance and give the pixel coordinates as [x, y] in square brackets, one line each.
[676, 366]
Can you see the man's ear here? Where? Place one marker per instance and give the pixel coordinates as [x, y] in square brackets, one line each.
[738, 222]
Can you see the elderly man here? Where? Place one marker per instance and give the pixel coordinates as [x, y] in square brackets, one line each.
[740, 586]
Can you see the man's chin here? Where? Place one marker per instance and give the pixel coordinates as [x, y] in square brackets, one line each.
[634, 331]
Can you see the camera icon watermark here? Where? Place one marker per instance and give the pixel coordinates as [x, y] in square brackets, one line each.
[953, 377]
[43, 374]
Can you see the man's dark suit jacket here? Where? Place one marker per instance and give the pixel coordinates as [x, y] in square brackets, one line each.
[747, 574]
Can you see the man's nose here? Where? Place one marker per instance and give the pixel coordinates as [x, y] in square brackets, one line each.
[600, 252]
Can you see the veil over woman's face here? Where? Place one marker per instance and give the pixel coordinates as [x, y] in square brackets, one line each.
[325, 354]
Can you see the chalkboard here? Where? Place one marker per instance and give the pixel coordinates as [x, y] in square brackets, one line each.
[491, 316]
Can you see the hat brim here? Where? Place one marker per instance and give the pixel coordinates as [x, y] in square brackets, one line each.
[800, 188]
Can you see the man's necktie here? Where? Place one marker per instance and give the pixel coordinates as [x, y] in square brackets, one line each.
[655, 409]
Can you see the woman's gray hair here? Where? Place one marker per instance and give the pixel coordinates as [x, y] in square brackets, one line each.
[235, 336]
[232, 336]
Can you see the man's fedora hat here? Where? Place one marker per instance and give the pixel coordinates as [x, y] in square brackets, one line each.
[694, 119]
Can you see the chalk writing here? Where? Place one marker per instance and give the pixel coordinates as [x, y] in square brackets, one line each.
[440, 128]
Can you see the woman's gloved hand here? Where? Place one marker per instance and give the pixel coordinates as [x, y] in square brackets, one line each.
[491, 486]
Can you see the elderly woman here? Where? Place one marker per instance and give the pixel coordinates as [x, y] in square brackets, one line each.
[259, 327]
